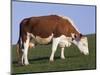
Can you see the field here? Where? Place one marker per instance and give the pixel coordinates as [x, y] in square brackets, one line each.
[39, 59]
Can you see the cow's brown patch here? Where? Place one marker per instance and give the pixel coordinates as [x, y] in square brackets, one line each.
[44, 26]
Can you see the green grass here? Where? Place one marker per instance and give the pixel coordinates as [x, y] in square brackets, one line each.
[39, 59]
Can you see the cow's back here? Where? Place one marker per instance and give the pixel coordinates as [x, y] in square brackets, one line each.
[44, 26]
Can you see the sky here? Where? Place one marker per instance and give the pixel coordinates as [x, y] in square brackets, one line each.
[83, 16]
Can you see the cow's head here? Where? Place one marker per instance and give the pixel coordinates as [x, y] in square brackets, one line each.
[81, 42]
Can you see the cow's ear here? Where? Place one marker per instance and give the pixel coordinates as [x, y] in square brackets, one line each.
[76, 37]
[80, 35]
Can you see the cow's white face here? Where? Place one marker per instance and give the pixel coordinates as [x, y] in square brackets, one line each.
[82, 44]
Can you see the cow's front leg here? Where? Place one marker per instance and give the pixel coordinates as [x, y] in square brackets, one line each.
[62, 53]
[54, 47]
[25, 51]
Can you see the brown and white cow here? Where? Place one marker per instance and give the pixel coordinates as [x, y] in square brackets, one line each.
[44, 29]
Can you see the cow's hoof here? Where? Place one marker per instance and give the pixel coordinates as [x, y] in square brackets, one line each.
[20, 64]
[51, 61]
[63, 58]
[26, 63]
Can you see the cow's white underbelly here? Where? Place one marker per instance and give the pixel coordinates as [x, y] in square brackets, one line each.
[43, 40]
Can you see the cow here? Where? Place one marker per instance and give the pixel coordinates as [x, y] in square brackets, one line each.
[55, 29]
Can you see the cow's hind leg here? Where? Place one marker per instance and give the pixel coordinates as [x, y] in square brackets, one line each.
[54, 47]
[19, 53]
[25, 51]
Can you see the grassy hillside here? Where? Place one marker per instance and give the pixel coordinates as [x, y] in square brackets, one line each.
[39, 59]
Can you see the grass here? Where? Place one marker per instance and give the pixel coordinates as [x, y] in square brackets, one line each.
[39, 59]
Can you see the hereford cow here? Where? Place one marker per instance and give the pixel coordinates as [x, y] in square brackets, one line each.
[45, 29]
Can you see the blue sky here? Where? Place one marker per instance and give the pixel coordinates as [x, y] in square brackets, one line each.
[83, 16]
